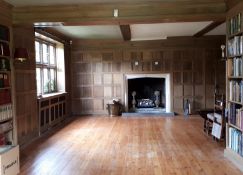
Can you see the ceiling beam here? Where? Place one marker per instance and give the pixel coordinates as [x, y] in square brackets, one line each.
[126, 32]
[208, 28]
[129, 13]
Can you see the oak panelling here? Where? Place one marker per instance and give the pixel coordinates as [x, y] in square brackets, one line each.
[6, 14]
[97, 67]
[187, 75]
[79, 57]
[199, 90]
[178, 90]
[87, 105]
[107, 67]
[146, 66]
[98, 91]
[108, 91]
[92, 56]
[199, 103]
[127, 66]
[117, 78]
[117, 91]
[177, 77]
[76, 106]
[198, 77]
[231, 3]
[107, 78]
[177, 61]
[98, 79]
[108, 56]
[83, 79]
[86, 92]
[27, 121]
[136, 66]
[188, 91]
[178, 104]
[82, 67]
[116, 66]
[157, 64]
[98, 104]
[133, 12]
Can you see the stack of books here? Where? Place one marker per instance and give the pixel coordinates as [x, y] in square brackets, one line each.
[6, 112]
[235, 46]
[5, 96]
[236, 115]
[236, 91]
[237, 66]
[236, 141]
[4, 80]
[235, 24]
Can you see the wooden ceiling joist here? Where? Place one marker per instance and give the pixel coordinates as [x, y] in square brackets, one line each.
[126, 32]
[208, 28]
[129, 13]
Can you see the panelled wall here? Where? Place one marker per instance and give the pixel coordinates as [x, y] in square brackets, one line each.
[26, 99]
[98, 70]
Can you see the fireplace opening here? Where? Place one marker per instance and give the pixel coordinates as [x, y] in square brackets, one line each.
[146, 92]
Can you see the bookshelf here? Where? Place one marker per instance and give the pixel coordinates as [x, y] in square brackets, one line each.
[234, 86]
[9, 150]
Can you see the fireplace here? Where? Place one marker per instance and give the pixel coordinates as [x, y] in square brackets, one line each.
[147, 92]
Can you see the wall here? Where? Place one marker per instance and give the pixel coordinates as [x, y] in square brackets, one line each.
[5, 14]
[25, 77]
[25, 83]
[98, 70]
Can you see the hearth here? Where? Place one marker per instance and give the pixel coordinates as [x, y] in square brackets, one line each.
[147, 93]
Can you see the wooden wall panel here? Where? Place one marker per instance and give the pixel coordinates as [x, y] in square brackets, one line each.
[27, 124]
[188, 60]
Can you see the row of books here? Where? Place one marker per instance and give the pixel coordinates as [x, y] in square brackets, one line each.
[235, 24]
[235, 46]
[4, 64]
[236, 91]
[6, 112]
[236, 140]
[4, 80]
[237, 66]
[4, 127]
[4, 49]
[5, 96]
[236, 115]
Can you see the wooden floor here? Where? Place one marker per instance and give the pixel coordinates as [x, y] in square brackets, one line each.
[127, 146]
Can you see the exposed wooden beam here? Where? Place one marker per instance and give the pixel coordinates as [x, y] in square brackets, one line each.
[129, 13]
[126, 32]
[54, 34]
[208, 28]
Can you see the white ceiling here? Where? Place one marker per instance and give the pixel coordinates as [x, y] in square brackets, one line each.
[91, 32]
[163, 30]
[139, 31]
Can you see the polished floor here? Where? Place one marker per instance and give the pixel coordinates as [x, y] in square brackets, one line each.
[127, 146]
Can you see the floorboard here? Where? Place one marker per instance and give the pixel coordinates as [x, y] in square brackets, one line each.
[127, 146]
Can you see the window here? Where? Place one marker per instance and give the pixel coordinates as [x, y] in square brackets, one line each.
[46, 66]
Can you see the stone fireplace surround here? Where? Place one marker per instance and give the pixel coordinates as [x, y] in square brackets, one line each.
[167, 87]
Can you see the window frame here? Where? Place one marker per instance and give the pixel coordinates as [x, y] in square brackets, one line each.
[41, 65]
